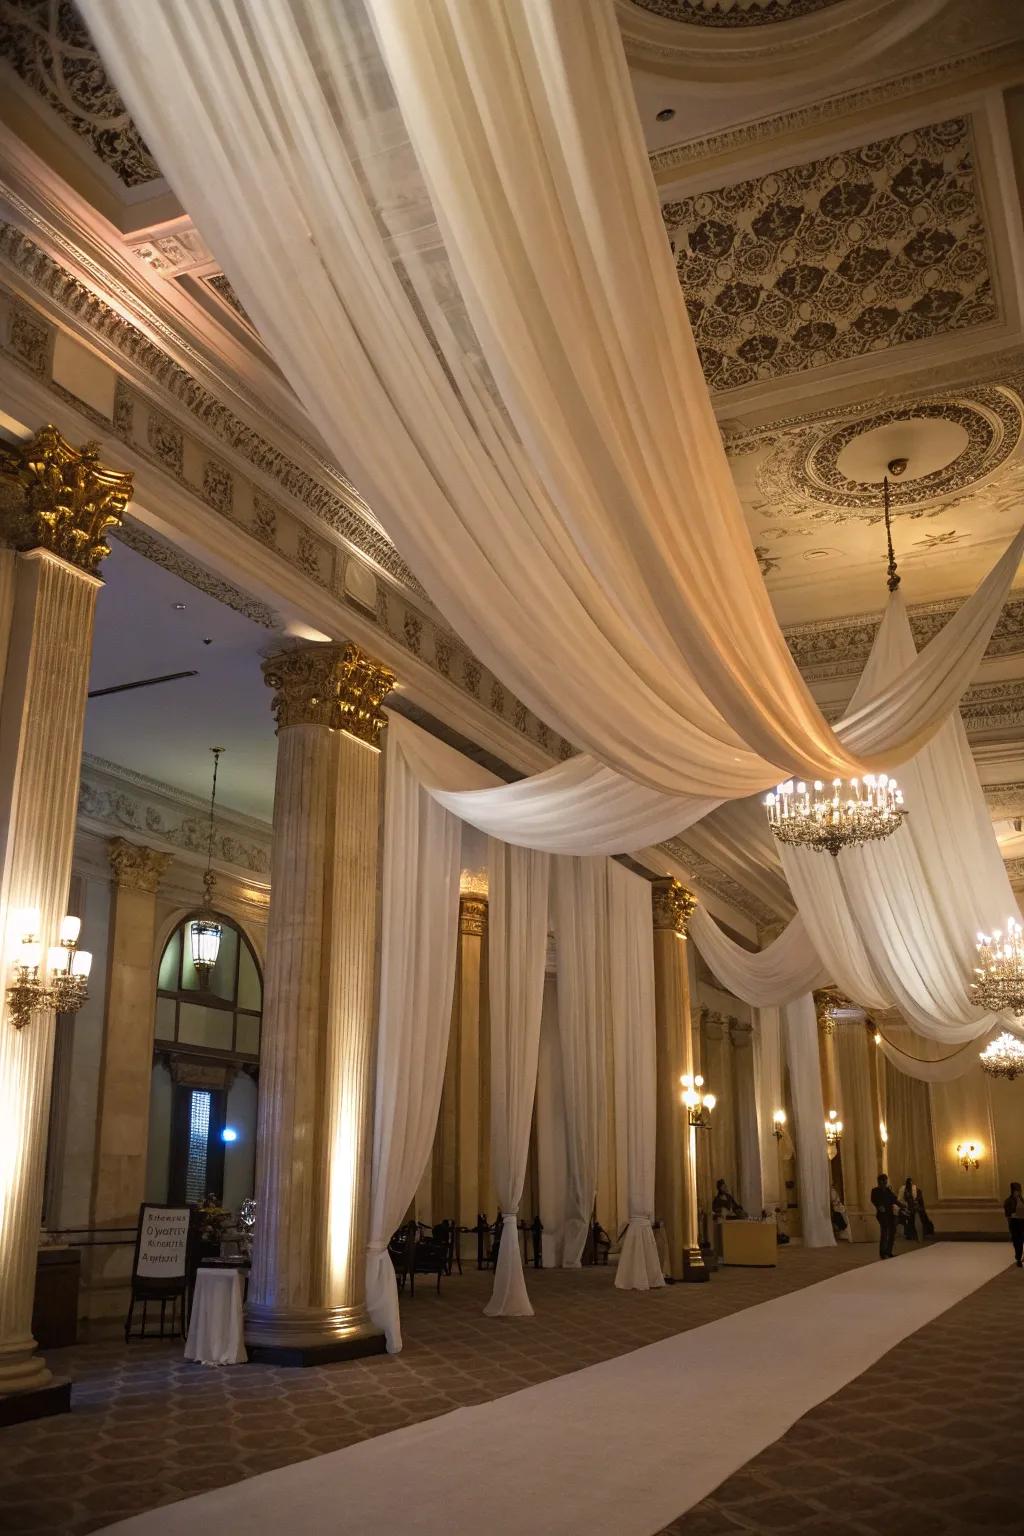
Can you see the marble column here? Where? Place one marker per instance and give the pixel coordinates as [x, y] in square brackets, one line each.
[675, 1180]
[470, 1127]
[306, 1296]
[56, 503]
[126, 1067]
[750, 1188]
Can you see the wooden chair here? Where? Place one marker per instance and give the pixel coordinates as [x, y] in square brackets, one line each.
[402, 1249]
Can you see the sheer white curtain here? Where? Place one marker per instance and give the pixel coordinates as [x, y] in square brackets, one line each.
[857, 1112]
[905, 1059]
[784, 970]
[581, 937]
[517, 928]
[527, 417]
[631, 974]
[800, 1033]
[768, 1082]
[419, 927]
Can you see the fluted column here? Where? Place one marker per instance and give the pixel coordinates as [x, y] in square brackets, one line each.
[306, 1295]
[56, 503]
[675, 1180]
[126, 1067]
[456, 1164]
[751, 1189]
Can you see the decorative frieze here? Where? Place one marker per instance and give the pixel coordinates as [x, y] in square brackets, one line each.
[68, 499]
[114, 799]
[673, 905]
[136, 868]
[333, 685]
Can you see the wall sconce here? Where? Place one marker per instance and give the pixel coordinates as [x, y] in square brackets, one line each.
[968, 1155]
[698, 1104]
[67, 968]
[779, 1124]
[833, 1129]
[883, 1132]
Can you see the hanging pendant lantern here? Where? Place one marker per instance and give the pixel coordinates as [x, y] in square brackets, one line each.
[205, 930]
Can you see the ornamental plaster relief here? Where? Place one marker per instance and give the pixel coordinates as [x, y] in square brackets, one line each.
[115, 800]
[167, 443]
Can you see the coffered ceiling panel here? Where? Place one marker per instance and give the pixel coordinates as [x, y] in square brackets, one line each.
[816, 263]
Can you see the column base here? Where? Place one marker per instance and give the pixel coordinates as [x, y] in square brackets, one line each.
[36, 1402]
[298, 1338]
[695, 1270]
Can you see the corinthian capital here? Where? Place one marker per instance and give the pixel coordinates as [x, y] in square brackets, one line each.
[333, 685]
[60, 498]
[136, 868]
[674, 905]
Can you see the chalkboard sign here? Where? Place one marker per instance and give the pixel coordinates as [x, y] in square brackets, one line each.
[166, 1254]
[161, 1252]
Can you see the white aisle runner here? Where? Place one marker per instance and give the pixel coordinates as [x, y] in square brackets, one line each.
[617, 1449]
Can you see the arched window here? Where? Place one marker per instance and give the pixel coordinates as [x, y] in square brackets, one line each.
[202, 1137]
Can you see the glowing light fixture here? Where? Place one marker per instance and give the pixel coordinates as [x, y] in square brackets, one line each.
[999, 973]
[833, 1129]
[698, 1103]
[1003, 1057]
[779, 1124]
[968, 1154]
[205, 930]
[67, 969]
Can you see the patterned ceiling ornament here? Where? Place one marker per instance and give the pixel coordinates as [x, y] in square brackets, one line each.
[821, 262]
[802, 475]
[48, 46]
[732, 13]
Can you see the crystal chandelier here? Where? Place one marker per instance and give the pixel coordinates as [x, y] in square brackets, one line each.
[205, 930]
[861, 812]
[1003, 1057]
[999, 973]
[67, 968]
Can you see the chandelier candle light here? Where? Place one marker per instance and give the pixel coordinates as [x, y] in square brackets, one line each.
[67, 970]
[833, 1129]
[863, 811]
[1003, 1057]
[999, 974]
[205, 930]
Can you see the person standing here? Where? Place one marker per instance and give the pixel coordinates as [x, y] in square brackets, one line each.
[1014, 1209]
[887, 1205]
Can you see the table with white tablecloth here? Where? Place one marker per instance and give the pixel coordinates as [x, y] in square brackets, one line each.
[215, 1329]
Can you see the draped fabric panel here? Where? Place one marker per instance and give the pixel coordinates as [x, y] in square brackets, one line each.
[800, 1031]
[783, 971]
[419, 934]
[517, 939]
[857, 1111]
[909, 1124]
[526, 416]
[631, 976]
[768, 1084]
[581, 936]
[944, 1069]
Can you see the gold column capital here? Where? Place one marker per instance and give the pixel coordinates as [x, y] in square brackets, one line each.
[60, 498]
[826, 1002]
[338, 686]
[674, 905]
[473, 914]
[136, 868]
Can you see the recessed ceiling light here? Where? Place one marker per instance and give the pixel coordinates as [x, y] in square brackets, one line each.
[666, 114]
[818, 554]
[178, 607]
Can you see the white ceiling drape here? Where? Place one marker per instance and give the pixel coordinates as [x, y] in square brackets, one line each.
[892, 923]
[441, 219]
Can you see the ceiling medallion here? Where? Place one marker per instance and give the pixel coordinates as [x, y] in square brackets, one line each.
[956, 440]
[732, 13]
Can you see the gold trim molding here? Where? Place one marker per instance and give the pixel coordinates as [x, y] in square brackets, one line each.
[136, 867]
[61, 499]
[674, 905]
[472, 915]
[338, 686]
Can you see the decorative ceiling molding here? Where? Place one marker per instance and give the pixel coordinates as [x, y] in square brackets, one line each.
[832, 259]
[185, 458]
[732, 14]
[115, 800]
[946, 72]
[48, 46]
[836, 648]
[721, 884]
[143, 542]
[1005, 801]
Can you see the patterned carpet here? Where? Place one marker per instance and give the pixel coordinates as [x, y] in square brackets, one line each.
[147, 1429]
[928, 1442]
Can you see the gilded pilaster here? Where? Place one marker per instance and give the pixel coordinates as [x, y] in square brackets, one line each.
[675, 1192]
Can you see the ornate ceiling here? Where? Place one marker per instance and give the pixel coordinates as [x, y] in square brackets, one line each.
[732, 13]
